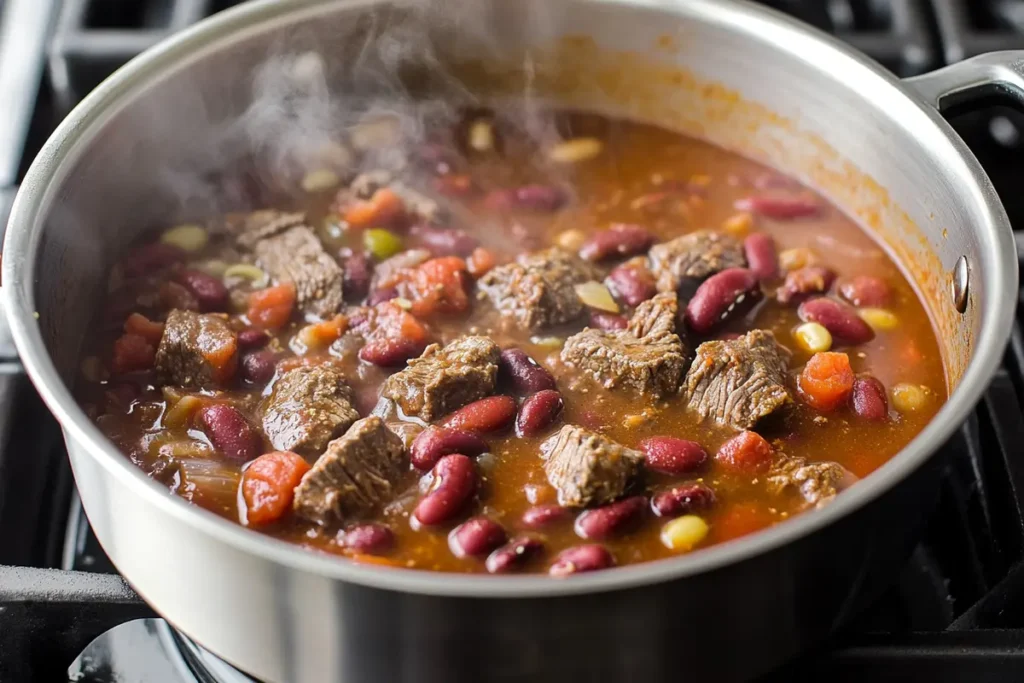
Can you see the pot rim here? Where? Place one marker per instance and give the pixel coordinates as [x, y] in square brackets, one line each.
[75, 133]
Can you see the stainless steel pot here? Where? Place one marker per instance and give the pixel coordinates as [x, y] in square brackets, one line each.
[745, 78]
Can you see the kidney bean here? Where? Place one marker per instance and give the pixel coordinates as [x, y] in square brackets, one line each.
[356, 276]
[390, 352]
[538, 412]
[371, 538]
[258, 366]
[476, 537]
[610, 519]
[545, 198]
[746, 452]
[433, 443]
[840, 320]
[229, 432]
[380, 295]
[762, 258]
[621, 239]
[868, 399]
[633, 284]
[608, 322]
[865, 290]
[527, 376]
[803, 282]
[252, 338]
[540, 516]
[723, 295]
[486, 415]
[513, 554]
[669, 455]
[779, 207]
[582, 558]
[151, 257]
[453, 485]
[173, 295]
[210, 292]
[446, 241]
[682, 500]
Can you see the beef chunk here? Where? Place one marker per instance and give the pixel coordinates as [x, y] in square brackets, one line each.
[647, 357]
[196, 350]
[308, 407]
[262, 224]
[418, 205]
[696, 255]
[587, 468]
[817, 482]
[737, 382]
[445, 379]
[356, 476]
[539, 290]
[297, 256]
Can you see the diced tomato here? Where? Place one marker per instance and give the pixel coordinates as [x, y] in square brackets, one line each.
[144, 327]
[439, 286]
[132, 352]
[383, 208]
[480, 262]
[826, 381]
[271, 308]
[268, 486]
[319, 335]
[393, 321]
[746, 452]
[740, 520]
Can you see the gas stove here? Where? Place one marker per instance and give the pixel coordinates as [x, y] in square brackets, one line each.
[955, 614]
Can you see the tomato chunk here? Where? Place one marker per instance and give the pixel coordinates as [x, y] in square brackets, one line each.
[826, 381]
[746, 452]
[393, 321]
[439, 286]
[319, 335]
[271, 308]
[132, 353]
[144, 327]
[383, 208]
[268, 486]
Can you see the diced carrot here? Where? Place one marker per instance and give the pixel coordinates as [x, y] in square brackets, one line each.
[481, 261]
[826, 381]
[132, 352]
[740, 520]
[268, 485]
[221, 354]
[439, 286]
[271, 308]
[746, 452]
[392, 321]
[319, 335]
[144, 327]
[383, 208]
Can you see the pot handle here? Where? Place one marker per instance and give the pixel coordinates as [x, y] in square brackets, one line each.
[965, 85]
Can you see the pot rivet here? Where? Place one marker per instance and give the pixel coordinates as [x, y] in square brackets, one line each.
[961, 281]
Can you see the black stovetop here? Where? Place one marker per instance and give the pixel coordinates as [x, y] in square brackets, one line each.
[955, 614]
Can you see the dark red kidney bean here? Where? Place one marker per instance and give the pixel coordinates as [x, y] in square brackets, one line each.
[803, 282]
[669, 455]
[476, 537]
[173, 295]
[723, 295]
[865, 290]
[151, 257]
[540, 516]
[390, 352]
[538, 412]
[433, 443]
[252, 338]
[370, 539]
[840, 320]
[380, 295]
[527, 376]
[534, 197]
[581, 558]
[446, 241]
[486, 415]
[513, 554]
[621, 239]
[453, 485]
[610, 519]
[682, 500]
[762, 258]
[868, 399]
[633, 284]
[608, 322]
[210, 292]
[229, 432]
[779, 207]
[258, 366]
[356, 276]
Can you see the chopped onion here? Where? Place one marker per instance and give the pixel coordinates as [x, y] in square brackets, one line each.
[596, 295]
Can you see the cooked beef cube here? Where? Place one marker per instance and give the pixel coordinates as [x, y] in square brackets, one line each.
[817, 482]
[386, 273]
[308, 407]
[418, 205]
[445, 379]
[738, 382]
[539, 291]
[196, 350]
[647, 357]
[297, 256]
[694, 256]
[356, 476]
[587, 468]
[261, 224]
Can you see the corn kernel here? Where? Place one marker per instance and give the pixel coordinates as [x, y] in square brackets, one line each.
[908, 398]
[596, 295]
[93, 370]
[739, 224]
[813, 337]
[571, 239]
[402, 303]
[179, 414]
[188, 237]
[320, 180]
[684, 533]
[548, 342]
[880, 319]
[481, 135]
[246, 271]
[792, 259]
[575, 150]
